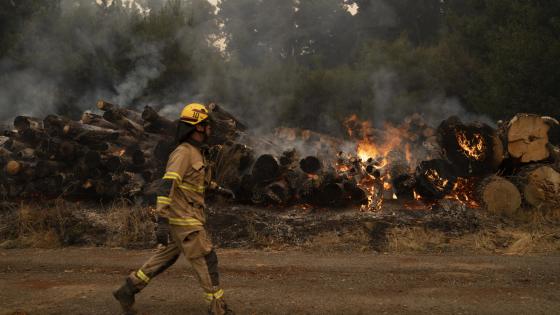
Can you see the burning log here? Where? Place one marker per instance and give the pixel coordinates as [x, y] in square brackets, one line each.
[434, 179]
[527, 137]
[498, 195]
[153, 122]
[353, 193]
[473, 149]
[540, 185]
[402, 181]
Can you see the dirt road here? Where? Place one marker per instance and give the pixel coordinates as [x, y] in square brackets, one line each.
[80, 280]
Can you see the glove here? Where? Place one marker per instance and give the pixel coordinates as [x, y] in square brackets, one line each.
[225, 192]
[162, 231]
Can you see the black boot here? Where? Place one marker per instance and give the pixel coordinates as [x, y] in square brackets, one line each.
[125, 296]
[227, 311]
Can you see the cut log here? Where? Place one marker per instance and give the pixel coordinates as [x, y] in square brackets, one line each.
[86, 133]
[98, 121]
[278, 192]
[24, 122]
[527, 137]
[130, 114]
[221, 115]
[473, 149]
[540, 186]
[21, 169]
[32, 136]
[155, 123]
[498, 195]
[14, 145]
[265, 169]
[330, 194]
[434, 179]
[353, 193]
[310, 165]
[117, 118]
[27, 154]
[163, 149]
[46, 168]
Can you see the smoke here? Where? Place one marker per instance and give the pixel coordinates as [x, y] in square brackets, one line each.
[393, 101]
[147, 67]
[25, 92]
[262, 76]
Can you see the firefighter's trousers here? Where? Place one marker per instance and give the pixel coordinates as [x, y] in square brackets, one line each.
[194, 243]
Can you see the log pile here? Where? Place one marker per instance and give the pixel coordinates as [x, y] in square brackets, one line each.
[518, 151]
[119, 154]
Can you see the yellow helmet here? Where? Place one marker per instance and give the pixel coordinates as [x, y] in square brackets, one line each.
[194, 113]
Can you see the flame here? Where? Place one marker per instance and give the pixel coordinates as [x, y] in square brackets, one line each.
[472, 148]
[463, 191]
[435, 178]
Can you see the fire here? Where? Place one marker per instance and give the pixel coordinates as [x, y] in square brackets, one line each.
[472, 148]
[463, 191]
[435, 178]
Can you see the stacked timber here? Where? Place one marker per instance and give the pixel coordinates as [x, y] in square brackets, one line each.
[518, 151]
[119, 154]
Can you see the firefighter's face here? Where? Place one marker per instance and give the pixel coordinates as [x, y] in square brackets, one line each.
[205, 130]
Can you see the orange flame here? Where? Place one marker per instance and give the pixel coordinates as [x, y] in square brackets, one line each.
[436, 179]
[472, 148]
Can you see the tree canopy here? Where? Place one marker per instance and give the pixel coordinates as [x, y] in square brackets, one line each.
[305, 63]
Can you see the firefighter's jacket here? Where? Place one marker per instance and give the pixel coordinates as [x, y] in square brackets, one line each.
[189, 171]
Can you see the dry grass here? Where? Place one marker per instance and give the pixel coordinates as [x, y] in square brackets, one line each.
[415, 239]
[60, 223]
[506, 241]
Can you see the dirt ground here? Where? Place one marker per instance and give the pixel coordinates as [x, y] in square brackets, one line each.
[80, 281]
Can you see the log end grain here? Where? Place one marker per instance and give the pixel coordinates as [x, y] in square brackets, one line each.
[500, 196]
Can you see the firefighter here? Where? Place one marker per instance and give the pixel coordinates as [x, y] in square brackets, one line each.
[181, 217]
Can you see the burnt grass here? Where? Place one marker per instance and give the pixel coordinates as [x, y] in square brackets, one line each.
[447, 226]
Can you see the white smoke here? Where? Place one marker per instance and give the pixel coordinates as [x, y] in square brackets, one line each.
[148, 67]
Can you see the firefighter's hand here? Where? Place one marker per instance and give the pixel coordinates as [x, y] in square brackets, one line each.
[162, 231]
[225, 192]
